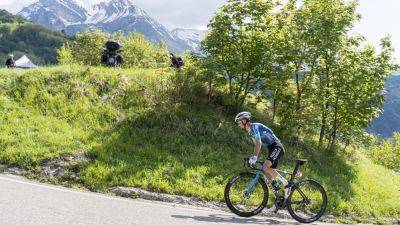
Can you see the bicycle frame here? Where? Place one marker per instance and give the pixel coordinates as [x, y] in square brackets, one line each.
[260, 170]
[255, 180]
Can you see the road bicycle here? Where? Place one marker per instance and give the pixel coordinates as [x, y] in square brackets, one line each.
[246, 194]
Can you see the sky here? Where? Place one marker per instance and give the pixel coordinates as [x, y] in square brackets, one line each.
[378, 16]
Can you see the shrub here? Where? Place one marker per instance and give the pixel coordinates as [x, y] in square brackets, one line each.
[387, 153]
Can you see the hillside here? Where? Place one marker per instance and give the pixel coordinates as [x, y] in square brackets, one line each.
[6, 17]
[20, 37]
[152, 129]
[389, 121]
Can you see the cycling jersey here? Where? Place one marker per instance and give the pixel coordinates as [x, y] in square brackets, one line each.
[261, 132]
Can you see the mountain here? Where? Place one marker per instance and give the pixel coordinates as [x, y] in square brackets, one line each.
[191, 37]
[74, 16]
[20, 37]
[389, 121]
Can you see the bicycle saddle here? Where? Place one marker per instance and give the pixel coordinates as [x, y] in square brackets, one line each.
[302, 161]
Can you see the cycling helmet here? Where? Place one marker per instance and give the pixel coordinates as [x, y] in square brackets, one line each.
[242, 116]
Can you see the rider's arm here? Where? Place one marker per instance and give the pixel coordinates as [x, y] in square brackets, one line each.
[257, 141]
[257, 147]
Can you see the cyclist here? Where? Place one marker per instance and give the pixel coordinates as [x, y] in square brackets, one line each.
[264, 136]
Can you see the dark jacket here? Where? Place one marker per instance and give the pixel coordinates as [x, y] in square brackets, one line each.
[174, 62]
[10, 63]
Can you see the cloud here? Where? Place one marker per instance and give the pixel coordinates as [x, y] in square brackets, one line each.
[6, 2]
[181, 13]
[14, 6]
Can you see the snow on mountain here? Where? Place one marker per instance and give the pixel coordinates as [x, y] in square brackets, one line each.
[191, 37]
[73, 12]
[55, 14]
[111, 15]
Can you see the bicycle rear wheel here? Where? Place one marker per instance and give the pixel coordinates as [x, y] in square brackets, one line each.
[242, 203]
[307, 201]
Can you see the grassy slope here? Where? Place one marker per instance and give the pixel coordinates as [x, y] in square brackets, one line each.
[137, 131]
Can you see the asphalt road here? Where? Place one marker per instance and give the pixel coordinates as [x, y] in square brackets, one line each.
[25, 202]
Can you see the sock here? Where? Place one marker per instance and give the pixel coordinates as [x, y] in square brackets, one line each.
[282, 180]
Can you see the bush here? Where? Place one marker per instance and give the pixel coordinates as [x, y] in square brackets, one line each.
[137, 50]
[387, 153]
[86, 49]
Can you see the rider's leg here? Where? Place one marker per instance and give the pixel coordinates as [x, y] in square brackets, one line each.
[276, 152]
[273, 174]
[266, 171]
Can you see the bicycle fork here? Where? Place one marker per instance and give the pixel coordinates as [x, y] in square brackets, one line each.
[253, 183]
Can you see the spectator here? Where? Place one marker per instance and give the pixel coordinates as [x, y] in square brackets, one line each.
[174, 60]
[10, 63]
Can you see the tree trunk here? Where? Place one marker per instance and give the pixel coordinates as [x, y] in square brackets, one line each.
[332, 138]
[230, 83]
[298, 104]
[210, 83]
[274, 107]
[298, 98]
[324, 109]
[239, 90]
[322, 131]
[246, 89]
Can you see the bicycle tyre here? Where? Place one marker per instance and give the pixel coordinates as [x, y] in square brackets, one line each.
[297, 215]
[229, 201]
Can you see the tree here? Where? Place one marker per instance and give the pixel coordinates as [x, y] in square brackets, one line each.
[237, 33]
[64, 55]
[358, 88]
[139, 52]
[87, 47]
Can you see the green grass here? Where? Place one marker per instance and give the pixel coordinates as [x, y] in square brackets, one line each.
[151, 129]
[376, 187]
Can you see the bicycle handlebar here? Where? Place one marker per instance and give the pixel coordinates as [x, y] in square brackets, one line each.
[247, 164]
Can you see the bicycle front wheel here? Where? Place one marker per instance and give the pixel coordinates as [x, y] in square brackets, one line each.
[307, 201]
[242, 202]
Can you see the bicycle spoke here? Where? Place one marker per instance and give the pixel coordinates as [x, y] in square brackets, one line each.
[308, 201]
[243, 200]
[297, 202]
[308, 193]
[240, 200]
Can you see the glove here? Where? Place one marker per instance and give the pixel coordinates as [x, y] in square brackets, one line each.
[252, 160]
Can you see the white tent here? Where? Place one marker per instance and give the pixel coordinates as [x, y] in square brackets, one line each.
[24, 63]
